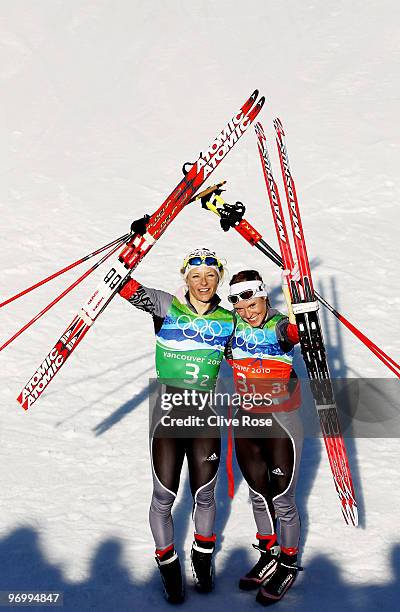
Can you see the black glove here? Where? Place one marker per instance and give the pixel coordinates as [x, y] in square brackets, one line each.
[139, 225]
[231, 215]
[225, 224]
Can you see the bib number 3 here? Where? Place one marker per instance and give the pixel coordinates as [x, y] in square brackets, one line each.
[192, 371]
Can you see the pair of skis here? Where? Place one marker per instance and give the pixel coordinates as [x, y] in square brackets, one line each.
[305, 308]
[305, 305]
[136, 247]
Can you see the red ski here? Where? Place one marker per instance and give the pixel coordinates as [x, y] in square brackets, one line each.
[305, 308]
[137, 247]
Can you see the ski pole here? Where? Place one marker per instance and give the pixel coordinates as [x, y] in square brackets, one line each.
[208, 191]
[64, 293]
[69, 267]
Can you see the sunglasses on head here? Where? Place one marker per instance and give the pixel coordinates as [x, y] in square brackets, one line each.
[203, 260]
[243, 295]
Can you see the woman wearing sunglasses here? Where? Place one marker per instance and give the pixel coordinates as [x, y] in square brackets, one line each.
[261, 354]
[191, 335]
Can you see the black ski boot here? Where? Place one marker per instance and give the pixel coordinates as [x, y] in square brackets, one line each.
[265, 566]
[202, 567]
[281, 581]
[170, 570]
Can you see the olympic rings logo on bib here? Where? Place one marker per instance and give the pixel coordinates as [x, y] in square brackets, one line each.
[199, 326]
[249, 337]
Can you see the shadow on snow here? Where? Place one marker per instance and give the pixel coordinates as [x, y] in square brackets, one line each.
[112, 585]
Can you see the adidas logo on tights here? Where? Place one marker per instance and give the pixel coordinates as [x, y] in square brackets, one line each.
[212, 457]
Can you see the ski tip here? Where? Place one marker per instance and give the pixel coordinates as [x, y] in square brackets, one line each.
[278, 126]
[355, 516]
[353, 520]
[256, 109]
[20, 401]
[259, 130]
[249, 103]
[350, 512]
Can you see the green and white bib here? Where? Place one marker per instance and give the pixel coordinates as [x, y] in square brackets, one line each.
[190, 346]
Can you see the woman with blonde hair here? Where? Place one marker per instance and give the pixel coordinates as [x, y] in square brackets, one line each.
[192, 331]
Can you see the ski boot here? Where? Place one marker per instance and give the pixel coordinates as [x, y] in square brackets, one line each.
[265, 566]
[171, 575]
[202, 567]
[281, 581]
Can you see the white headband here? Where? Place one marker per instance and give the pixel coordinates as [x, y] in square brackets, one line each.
[257, 286]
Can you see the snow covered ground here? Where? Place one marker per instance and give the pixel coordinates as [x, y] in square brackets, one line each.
[102, 103]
